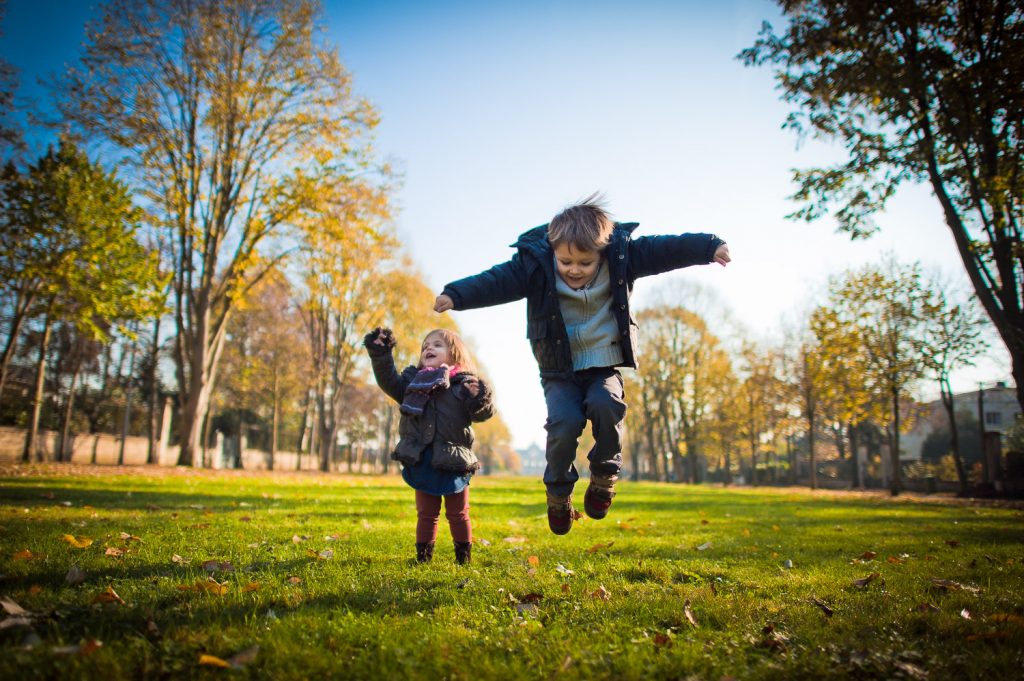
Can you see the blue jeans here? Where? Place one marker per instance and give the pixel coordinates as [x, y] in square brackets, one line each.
[594, 395]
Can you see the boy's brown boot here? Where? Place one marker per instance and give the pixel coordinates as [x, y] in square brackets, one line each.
[463, 552]
[600, 493]
[424, 552]
[560, 513]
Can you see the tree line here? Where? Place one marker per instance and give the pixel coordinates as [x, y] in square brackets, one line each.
[248, 211]
[844, 374]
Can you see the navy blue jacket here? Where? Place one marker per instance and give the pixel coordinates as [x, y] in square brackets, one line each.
[531, 274]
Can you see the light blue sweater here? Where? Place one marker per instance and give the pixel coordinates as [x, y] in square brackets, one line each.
[588, 317]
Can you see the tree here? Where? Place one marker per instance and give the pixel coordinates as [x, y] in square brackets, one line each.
[918, 91]
[77, 226]
[10, 133]
[883, 308]
[952, 340]
[234, 116]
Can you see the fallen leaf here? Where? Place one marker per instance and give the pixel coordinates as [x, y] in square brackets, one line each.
[108, 596]
[114, 551]
[531, 598]
[462, 583]
[75, 575]
[597, 547]
[296, 539]
[213, 661]
[703, 522]
[662, 641]
[15, 622]
[565, 587]
[863, 582]
[246, 519]
[12, 608]
[911, 670]
[77, 542]
[704, 547]
[218, 566]
[562, 570]
[326, 554]
[867, 555]
[775, 528]
[773, 640]
[533, 560]
[251, 586]
[965, 613]
[25, 555]
[84, 648]
[244, 657]
[515, 540]
[824, 608]
[601, 593]
[688, 614]
[746, 532]
[482, 542]
[950, 585]
[35, 590]
[895, 561]
[295, 580]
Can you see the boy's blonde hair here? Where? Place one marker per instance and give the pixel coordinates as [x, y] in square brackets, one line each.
[586, 226]
[456, 348]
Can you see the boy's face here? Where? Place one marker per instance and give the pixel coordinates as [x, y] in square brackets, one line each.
[576, 267]
[434, 352]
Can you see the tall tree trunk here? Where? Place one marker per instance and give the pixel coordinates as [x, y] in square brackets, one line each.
[37, 395]
[811, 456]
[63, 446]
[896, 485]
[154, 416]
[858, 472]
[126, 418]
[946, 393]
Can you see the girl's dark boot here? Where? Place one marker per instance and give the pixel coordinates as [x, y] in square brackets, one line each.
[424, 552]
[463, 552]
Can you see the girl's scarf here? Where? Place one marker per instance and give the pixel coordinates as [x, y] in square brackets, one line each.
[425, 382]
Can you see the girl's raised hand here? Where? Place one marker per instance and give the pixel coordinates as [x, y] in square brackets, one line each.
[472, 385]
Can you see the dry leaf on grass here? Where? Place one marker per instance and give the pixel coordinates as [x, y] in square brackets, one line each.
[251, 586]
[704, 547]
[25, 554]
[965, 613]
[564, 571]
[130, 537]
[773, 640]
[950, 585]
[294, 580]
[213, 661]
[688, 614]
[867, 556]
[662, 641]
[597, 547]
[533, 560]
[75, 575]
[601, 593]
[108, 596]
[515, 540]
[863, 582]
[12, 608]
[84, 648]
[114, 551]
[824, 608]
[218, 566]
[77, 542]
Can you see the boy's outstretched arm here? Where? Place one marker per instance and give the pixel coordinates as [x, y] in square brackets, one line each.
[656, 254]
[502, 283]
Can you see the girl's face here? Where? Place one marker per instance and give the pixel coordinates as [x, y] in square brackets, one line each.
[434, 352]
[576, 268]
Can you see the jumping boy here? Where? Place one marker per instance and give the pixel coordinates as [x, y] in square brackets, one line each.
[580, 329]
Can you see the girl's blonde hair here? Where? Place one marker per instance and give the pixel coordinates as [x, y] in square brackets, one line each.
[456, 348]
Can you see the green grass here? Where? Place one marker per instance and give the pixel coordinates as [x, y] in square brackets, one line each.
[369, 611]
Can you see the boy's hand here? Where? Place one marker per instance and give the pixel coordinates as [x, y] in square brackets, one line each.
[722, 255]
[443, 303]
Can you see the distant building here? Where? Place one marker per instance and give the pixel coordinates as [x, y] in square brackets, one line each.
[532, 461]
[999, 410]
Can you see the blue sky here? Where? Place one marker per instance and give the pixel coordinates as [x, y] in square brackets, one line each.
[501, 113]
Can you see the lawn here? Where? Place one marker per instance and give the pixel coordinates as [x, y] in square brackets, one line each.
[136, 573]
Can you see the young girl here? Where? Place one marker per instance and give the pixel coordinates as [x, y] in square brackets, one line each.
[440, 398]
